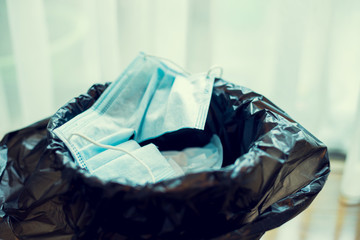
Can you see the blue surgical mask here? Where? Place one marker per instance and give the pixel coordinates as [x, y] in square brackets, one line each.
[127, 170]
[147, 100]
[109, 155]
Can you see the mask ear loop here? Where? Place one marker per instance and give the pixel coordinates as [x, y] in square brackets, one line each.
[215, 67]
[114, 148]
[170, 61]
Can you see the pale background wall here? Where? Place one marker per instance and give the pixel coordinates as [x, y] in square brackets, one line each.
[303, 55]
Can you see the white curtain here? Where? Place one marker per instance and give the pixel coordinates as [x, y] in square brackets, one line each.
[302, 55]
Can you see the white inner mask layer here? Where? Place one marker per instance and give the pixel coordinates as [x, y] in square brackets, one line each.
[196, 159]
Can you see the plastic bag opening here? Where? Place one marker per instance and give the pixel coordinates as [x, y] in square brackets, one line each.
[273, 168]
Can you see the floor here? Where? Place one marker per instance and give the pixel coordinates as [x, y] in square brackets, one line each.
[326, 218]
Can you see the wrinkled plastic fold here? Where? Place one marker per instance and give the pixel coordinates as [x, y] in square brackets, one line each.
[272, 170]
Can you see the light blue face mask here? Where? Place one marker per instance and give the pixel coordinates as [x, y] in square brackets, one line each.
[109, 155]
[146, 101]
[150, 167]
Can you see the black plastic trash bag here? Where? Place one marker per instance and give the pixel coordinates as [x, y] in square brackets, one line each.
[273, 169]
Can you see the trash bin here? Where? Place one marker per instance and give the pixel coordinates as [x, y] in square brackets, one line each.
[272, 170]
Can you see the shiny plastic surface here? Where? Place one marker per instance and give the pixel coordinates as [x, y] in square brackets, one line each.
[273, 169]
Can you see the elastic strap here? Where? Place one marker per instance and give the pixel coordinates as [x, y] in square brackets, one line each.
[211, 69]
[170, 61]
[114, 148]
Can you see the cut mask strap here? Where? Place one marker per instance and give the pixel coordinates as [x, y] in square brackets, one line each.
[114, 148]
[215, 67]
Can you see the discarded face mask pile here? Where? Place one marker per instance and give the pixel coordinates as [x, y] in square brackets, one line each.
[159, 154]
[149, 99]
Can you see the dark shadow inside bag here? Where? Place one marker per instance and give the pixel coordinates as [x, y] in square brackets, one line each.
[272, 170]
